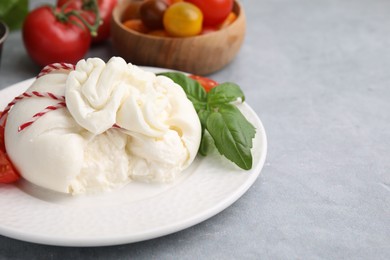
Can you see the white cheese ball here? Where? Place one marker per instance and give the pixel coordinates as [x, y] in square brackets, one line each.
[120, 123]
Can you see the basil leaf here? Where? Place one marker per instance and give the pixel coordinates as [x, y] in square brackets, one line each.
[194, 91]
[13, 12]
[203, 115]
[225, 93]
[232, 134]
[206, 144]
[223, 125]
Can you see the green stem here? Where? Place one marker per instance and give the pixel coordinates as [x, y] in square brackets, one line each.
[63, 16]
[92, 28]
[59, 15]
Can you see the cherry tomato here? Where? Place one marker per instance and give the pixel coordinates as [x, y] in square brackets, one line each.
[183, 19]
[214, 11]
[206, 83]
[136, 25]
[7, 173]
[105, 8]
[228, 21]
[49, 40]
[152, 12]
[132, 10]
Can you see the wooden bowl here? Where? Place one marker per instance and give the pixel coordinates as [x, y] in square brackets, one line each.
[201, 55]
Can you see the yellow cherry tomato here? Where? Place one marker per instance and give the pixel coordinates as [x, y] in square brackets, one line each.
[183, 19]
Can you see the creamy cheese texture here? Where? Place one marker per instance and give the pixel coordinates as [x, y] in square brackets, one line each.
[121, 123]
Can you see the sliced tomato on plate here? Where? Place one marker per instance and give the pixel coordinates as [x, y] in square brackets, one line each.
[206, 83]
[7, 172]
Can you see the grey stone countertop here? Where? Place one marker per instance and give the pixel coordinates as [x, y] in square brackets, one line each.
[317, 73]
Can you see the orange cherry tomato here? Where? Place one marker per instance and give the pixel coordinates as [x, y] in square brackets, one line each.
[136, 25]
[228, 21]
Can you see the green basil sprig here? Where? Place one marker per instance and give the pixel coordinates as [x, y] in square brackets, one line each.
[223, 124]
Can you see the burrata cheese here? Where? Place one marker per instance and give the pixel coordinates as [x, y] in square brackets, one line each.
[120, 123]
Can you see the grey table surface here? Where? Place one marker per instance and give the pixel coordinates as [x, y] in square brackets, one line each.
[318, 75]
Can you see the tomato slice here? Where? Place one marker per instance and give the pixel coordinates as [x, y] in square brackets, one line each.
[7, 173]
[206, 83]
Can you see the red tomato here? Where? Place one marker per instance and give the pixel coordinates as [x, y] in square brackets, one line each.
[7, 173]
[105, 9]
[49, 40]
[214, 11]
[71, 4]
[206, 83]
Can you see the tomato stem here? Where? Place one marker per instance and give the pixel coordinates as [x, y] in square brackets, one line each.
[91, 27]
[59, 15]
[63, 16]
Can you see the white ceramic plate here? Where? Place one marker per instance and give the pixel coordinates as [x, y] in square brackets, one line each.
[134, 213]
